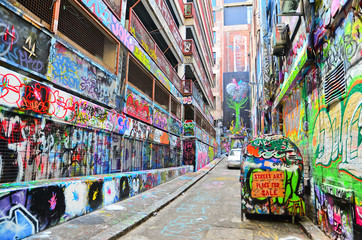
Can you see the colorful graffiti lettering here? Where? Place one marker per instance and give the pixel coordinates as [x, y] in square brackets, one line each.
[160, 119]
[139, 108]
[77, 74]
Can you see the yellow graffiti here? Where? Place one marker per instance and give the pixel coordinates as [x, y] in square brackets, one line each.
[296, 207]
[263, 231]
[95, 194]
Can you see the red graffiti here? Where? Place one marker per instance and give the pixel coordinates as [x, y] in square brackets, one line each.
[137, 109]
[12, 35]
[35, 97]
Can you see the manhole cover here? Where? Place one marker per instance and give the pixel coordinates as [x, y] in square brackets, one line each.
[229, 233]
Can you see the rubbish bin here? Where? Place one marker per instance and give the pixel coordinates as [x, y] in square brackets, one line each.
[272, 177]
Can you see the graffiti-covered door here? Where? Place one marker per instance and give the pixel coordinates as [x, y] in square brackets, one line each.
[132, 155]
[116, 153]
[147, 154]
[137, 161]
[160, 155]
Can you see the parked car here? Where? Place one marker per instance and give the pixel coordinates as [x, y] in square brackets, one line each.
[234, 158]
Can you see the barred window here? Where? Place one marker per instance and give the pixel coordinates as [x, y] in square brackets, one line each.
[76, 25]
[42, 9]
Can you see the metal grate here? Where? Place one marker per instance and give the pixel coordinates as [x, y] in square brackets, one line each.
[75, 25]
[335, 84]
[41, 8]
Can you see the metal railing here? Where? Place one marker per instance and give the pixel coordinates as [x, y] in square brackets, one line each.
[189, 12]
[139, 31]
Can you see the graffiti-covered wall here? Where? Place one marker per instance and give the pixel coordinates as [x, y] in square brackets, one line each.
[28, 210]
[330, 131]
[236, 105]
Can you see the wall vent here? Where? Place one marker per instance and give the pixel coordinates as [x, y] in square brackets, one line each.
[335, 84]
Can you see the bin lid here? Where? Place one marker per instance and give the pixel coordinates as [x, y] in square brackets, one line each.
[273, 146]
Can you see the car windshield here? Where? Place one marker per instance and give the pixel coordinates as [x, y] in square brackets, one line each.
[235, 153]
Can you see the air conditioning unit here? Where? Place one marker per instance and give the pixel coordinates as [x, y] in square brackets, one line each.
[280, 39]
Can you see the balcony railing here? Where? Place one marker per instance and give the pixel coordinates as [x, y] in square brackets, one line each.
[138, 30]
[189, 49]
[189, 12]
[170, 21]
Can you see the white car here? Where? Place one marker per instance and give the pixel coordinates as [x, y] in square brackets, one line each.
[234, 158]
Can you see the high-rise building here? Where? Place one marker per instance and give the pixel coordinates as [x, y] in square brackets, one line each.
[232, 25]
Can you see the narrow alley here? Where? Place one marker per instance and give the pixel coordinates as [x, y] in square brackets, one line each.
[211, 209]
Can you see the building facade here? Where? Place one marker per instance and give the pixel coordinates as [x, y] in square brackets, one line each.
[232, 25]
[307, 70]
[100, 100]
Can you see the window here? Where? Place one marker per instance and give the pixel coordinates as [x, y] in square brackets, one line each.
[42, 9]
[189, 112]
[214, 14]
[214, 55]
[115, 6]
[76, 26]
[214, 38]
[214, 3]
[175, 108]
[237, 15]
[198, 118]
[139, 78]
[162, 97]
[335, 84]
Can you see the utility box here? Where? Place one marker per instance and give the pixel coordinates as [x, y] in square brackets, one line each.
[272, 177]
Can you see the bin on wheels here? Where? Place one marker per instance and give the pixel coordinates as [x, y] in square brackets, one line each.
[272, 177]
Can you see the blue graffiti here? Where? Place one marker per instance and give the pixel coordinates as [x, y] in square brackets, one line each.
[19, 224]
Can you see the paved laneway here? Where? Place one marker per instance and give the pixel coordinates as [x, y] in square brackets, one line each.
[211, 210]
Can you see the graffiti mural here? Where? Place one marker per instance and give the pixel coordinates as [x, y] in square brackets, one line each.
[114, 25]
[160, 118]
[334, 214]
[26, 95]
[174, 125]
[175, 152]
[272, 178]
[77, 74]
[189, 128]
[22, 44]
[35, 208]
[201, 157]
[236, 102]
[189, 151]
[138, 107]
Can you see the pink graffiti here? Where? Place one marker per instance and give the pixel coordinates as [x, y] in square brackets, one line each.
[53, 201]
